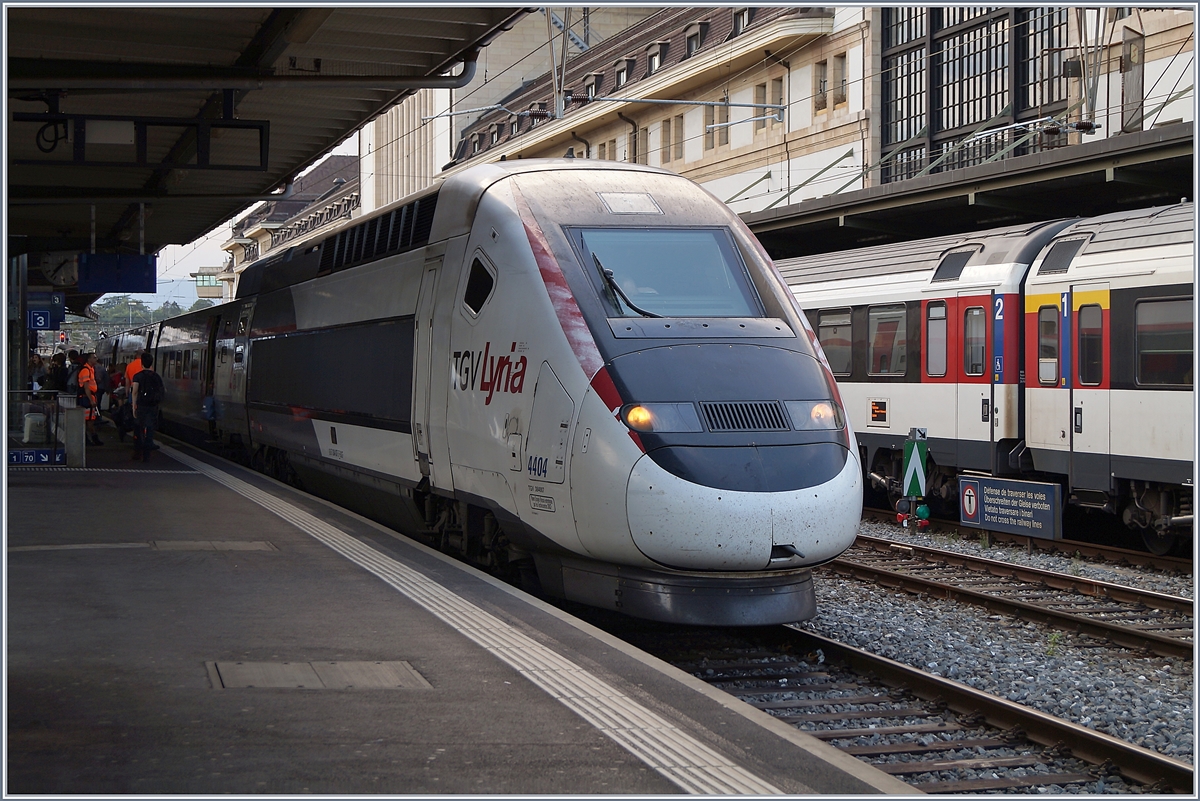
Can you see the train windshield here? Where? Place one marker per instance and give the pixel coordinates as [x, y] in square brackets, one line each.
[668, 272]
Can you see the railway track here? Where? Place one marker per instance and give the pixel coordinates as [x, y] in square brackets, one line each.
[938, 735]
[1125, 616]
[1072, 548]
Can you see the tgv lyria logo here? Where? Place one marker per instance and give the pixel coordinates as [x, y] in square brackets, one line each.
[488, 372]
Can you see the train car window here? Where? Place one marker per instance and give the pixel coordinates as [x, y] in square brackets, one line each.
[479, 286]
[195, 372]
[668, 272]
[1091, 345]
[935, 338]
[952, 265]
[834, 332]
[1058, 260]
[887, 339]
[1164, 342]
[974, 341]
[1048, 345]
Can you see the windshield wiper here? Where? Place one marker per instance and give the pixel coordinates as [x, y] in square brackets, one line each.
[614, 287]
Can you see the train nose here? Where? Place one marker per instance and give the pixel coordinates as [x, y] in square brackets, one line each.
[691, 526]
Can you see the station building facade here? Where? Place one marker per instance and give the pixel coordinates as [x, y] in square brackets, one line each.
[869, 95]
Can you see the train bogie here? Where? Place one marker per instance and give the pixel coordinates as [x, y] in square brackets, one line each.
[586, 371]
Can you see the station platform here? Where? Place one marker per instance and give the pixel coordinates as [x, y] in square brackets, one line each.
[186, 626]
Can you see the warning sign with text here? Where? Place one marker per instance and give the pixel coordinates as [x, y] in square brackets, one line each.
[1015, 507]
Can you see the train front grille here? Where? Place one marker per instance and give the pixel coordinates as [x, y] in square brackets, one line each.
[745, 416]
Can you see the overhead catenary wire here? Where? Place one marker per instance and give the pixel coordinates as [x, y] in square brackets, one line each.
[790, 102]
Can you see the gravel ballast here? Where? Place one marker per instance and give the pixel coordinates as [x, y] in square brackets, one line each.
[1145, 700]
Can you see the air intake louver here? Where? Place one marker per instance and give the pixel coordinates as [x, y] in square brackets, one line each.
[746, 416]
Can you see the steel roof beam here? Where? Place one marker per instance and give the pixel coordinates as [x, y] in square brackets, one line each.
[165, 77]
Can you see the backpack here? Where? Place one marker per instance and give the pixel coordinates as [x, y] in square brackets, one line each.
[150, 391]
[73, 378]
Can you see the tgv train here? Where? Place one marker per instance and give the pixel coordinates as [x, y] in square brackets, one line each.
[588, 370]
[1058, 351]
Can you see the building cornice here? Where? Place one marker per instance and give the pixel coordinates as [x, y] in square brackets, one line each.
[236, 242]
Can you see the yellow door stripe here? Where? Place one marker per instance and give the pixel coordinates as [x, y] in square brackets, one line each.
[1035, 302]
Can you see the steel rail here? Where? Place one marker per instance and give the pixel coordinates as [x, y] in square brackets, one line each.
[1061, 581]
[1135, 762]
[1170, 564]
[1109, 553]
[1117, 634]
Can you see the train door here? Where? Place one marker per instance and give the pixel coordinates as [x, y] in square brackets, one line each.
[231, 341]
[222, 370]
[422, 372]
[1047, 396]
[1090, 415]
[975, 401]
[241, 352]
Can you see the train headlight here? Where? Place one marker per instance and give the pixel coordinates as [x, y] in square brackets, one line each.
[816, 415]
[661, 417]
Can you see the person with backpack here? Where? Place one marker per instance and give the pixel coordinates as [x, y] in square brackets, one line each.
[56, 375]
[74, 365]
[146, 396]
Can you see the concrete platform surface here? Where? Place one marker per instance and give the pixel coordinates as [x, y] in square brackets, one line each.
[183, 625]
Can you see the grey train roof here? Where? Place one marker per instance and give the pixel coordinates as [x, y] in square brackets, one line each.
[999, 245]
[1144, 228]
[1141, 228]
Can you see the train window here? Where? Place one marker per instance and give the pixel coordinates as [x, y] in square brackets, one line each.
[668, 272]
[935, 338]
[1048, 345]
[952, 265]
[479, 286]
[1091, 344]
[887, 337]
[974, 341]
[1164, 342]
[833, 330]
[195, 371]
[1058, 260]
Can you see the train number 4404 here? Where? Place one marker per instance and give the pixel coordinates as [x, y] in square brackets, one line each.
[538, 465]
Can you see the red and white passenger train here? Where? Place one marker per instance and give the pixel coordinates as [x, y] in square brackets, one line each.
[1058, 351]
[586, 369]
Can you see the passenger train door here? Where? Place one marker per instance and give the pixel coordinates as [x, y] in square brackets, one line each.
[1047, 397]
[975, 401]
[229, 370]
[1089, 387]
[422, 367]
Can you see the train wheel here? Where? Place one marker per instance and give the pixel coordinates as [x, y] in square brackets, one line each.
[1159, 543]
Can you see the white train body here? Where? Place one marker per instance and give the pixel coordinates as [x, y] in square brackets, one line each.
[1057, 351]
[460, 366]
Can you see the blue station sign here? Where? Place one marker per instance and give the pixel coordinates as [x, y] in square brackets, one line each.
[1029, 508]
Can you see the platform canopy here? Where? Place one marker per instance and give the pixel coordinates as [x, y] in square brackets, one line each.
[193, 113]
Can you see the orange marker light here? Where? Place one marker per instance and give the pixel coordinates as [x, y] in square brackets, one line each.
[823, 416]
[639, 418]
